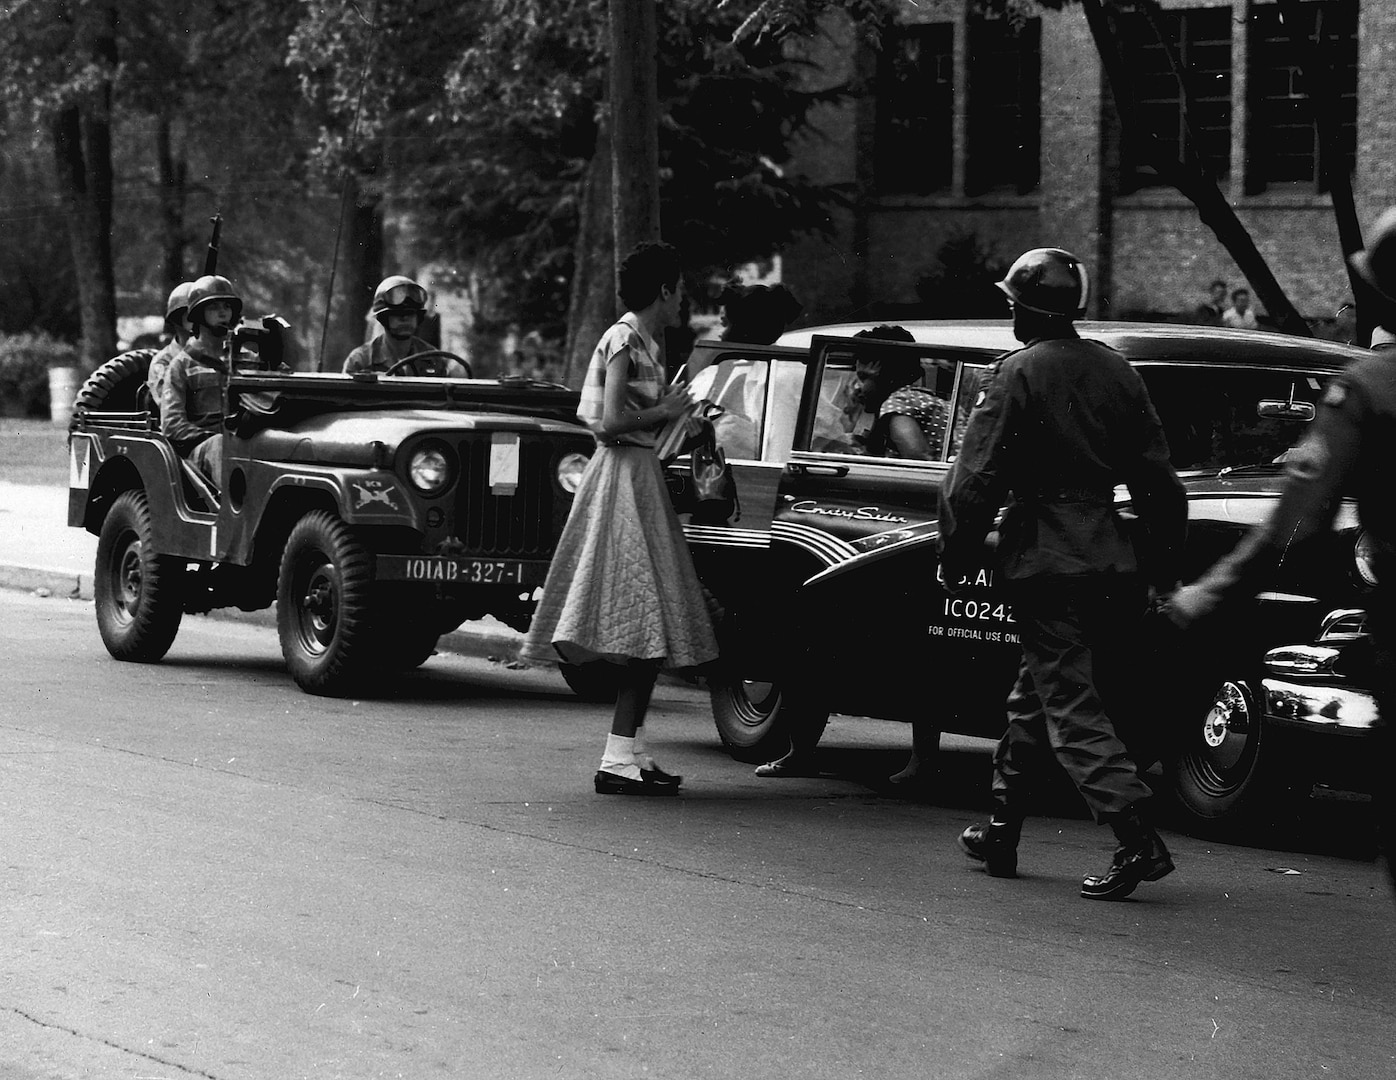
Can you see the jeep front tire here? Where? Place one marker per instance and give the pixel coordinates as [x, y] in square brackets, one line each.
[323, 605]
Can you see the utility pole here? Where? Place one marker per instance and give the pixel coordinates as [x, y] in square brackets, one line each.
[634, 124]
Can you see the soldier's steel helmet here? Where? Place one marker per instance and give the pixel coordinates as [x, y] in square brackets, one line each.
[212, 287]
[398, 295]
[1049, 281]
[178, 304]
[1377, 264]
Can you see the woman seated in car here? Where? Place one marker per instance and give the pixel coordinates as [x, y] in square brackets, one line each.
[910, 420]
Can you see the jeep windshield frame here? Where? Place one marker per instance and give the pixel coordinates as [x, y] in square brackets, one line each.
[269, 399]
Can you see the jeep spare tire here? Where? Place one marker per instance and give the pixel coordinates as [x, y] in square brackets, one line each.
[113, 387]
[323, 605]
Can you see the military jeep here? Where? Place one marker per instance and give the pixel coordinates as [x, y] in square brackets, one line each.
[376, 513]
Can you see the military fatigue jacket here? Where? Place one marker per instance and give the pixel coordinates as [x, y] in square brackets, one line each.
[1349, 451]
[191, 401]
[1056, 426]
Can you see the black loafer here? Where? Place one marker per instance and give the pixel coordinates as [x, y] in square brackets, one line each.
[659, 776]
[611, 784]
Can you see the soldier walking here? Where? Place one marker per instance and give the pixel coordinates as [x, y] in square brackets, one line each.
[1352, 444]
[1056, 426]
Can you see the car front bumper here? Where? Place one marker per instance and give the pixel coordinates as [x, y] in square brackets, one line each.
[1304, 688]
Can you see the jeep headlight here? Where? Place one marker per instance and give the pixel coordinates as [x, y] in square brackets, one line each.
[569, 471]
[1364, 555]
[429, 469]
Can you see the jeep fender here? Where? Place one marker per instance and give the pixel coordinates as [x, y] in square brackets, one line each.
[361, 497]
[112, 464]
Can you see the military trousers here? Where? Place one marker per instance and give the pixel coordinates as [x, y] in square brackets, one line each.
[1079, 635]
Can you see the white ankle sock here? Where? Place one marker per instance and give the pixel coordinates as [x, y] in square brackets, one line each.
[619, 758]
[643, 757]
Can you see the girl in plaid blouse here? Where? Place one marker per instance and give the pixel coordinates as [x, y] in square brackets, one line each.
[621, 588]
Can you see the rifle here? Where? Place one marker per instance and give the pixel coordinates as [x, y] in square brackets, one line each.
[211, 259]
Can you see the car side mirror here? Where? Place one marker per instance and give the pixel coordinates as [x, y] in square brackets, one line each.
[1274, 409]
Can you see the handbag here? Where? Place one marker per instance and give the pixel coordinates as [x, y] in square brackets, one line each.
[714, 488]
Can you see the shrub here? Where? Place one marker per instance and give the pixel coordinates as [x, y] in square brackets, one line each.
[24, 363]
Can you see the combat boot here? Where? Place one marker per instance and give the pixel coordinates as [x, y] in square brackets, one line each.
[1141, 856]
[995, 844]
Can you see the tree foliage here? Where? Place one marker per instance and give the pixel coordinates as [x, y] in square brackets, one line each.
[484, 118]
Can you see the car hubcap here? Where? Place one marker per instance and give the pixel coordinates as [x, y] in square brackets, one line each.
[1227, 730]
[756, 701]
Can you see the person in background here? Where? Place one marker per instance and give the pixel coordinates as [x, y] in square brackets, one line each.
[176, 308]
[1240, 314]
[400, 305]
[1055, 427]
[622, 587]
[1210, 312]
[756, 314]
[191, 399]
[1347, 452]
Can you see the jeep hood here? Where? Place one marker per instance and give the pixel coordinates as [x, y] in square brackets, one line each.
[350, 437]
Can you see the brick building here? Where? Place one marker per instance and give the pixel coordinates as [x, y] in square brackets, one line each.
[968, 127]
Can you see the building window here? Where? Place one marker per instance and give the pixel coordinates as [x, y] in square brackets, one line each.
[1282, 140]
[1003, 125]
[913, 153]
[1175, 117]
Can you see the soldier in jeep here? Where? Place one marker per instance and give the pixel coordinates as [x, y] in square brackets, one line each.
[400, 305]
[191, 406]
[176, 308]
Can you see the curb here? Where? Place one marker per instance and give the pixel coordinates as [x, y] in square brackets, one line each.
[73, 584]
[472, 639]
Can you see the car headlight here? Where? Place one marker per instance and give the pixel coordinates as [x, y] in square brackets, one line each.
[1364, 555]
[569, 471]
[429, 469]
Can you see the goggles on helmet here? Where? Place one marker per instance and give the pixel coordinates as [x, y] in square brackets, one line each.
[405, 295]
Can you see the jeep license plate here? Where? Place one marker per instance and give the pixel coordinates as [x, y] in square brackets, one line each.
[449, 569]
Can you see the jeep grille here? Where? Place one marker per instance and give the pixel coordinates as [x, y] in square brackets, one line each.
[520, 524]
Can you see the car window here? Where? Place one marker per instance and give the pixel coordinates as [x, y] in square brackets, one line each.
[1219, 417]
[847, 421]
[738, 387]
[970, 376]
[1211, 416]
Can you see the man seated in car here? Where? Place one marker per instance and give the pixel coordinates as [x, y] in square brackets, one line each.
[400, 305]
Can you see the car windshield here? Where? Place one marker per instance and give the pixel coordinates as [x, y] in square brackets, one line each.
[1214, 419]
[1211, 415]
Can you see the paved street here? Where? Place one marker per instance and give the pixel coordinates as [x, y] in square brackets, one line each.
[208, 873]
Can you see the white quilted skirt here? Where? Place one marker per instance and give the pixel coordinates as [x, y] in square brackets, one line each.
[622, 585]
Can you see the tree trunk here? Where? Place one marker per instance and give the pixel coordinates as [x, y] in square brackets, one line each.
[89, 234]
[634, 124]
[172, 174]
[358, 270]
[592, 306]
[1189, 179]
[81, 135]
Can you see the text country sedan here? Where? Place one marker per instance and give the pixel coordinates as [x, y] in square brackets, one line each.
[829, 573]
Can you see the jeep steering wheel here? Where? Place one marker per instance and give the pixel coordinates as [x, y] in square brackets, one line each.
[430, 353]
